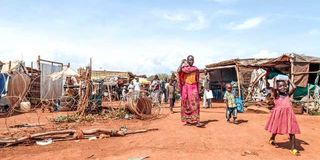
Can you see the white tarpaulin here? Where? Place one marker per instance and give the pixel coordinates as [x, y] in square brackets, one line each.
[67, 72]
[50, 89]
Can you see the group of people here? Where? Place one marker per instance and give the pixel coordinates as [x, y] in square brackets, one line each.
[159, 90]
[282, 119]
[167, 88]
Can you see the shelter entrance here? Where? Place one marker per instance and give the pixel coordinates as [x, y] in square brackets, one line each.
[219, 78]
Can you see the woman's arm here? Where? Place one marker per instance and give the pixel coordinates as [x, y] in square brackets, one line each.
[292, 87]
[181, 65]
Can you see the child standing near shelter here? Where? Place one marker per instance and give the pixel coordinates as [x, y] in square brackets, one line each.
[282, 119]
[171, 95]
[231, 104]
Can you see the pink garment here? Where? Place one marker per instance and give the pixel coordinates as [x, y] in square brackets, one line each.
[282, 119]
[190, 100]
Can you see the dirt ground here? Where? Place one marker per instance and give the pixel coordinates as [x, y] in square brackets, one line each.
[173, 140]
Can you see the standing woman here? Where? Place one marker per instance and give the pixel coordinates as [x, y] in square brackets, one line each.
[155, 88]
[189, 87]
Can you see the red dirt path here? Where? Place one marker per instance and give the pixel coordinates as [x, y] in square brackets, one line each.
[173, 140]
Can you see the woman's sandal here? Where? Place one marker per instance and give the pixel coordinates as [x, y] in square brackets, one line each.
[272, 142]
[189, 124]
[295, 152]
[200, 124]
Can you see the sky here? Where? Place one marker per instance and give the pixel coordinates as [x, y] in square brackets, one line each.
[153, 36]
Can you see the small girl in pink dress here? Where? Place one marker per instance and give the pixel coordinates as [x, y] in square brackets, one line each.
[282, 119]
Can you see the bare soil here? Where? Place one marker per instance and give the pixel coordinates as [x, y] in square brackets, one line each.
[173, 140]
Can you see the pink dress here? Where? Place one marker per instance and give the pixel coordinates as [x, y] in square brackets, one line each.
[190, 100]
[282, 119]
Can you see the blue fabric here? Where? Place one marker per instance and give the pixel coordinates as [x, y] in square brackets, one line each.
[3, 79]
[239, 104]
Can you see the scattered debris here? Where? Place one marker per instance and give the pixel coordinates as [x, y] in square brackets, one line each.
[247, 152]
[45, 142]
[26, 125]
[91, 156]
[92, 138]
[139, 158]
[70, 134]
[104, 136]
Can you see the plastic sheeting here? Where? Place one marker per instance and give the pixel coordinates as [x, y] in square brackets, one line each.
[50, 88]
[67, 72]
[18, 86]
[3, 82]
[302, 79]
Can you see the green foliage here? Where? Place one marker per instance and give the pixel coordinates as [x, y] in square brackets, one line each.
[117, 114]
[314, 113]
[73, 118]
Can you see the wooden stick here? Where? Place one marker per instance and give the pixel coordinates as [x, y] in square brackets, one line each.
[238, 79]
[291, 72]
[112, 133]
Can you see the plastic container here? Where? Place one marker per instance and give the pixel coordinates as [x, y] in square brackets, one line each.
[282, 77]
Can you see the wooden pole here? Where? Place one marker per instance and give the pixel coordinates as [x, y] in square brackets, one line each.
[308, 91]
[238, 79]
[38, 61]
[221, 82]
[221, 67]
[31, 69]
[292, 75]
[109, 93]
[9, 66]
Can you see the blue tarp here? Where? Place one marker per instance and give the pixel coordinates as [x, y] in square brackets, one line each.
[239, 103]
[3, 80]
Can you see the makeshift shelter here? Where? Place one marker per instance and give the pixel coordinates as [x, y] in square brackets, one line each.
[66, 72]
[15, 83]
[1, 64]
[237, 71]
[34, 93]
[104, 74]
[302, 70]
[50, 89]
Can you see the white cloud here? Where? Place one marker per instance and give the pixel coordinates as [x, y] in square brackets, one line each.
[176, 17]
[189, 21]
[138, 55]
[314, 32]
[247, 24]
[198, 23]
[264, 53]
[226, 12]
